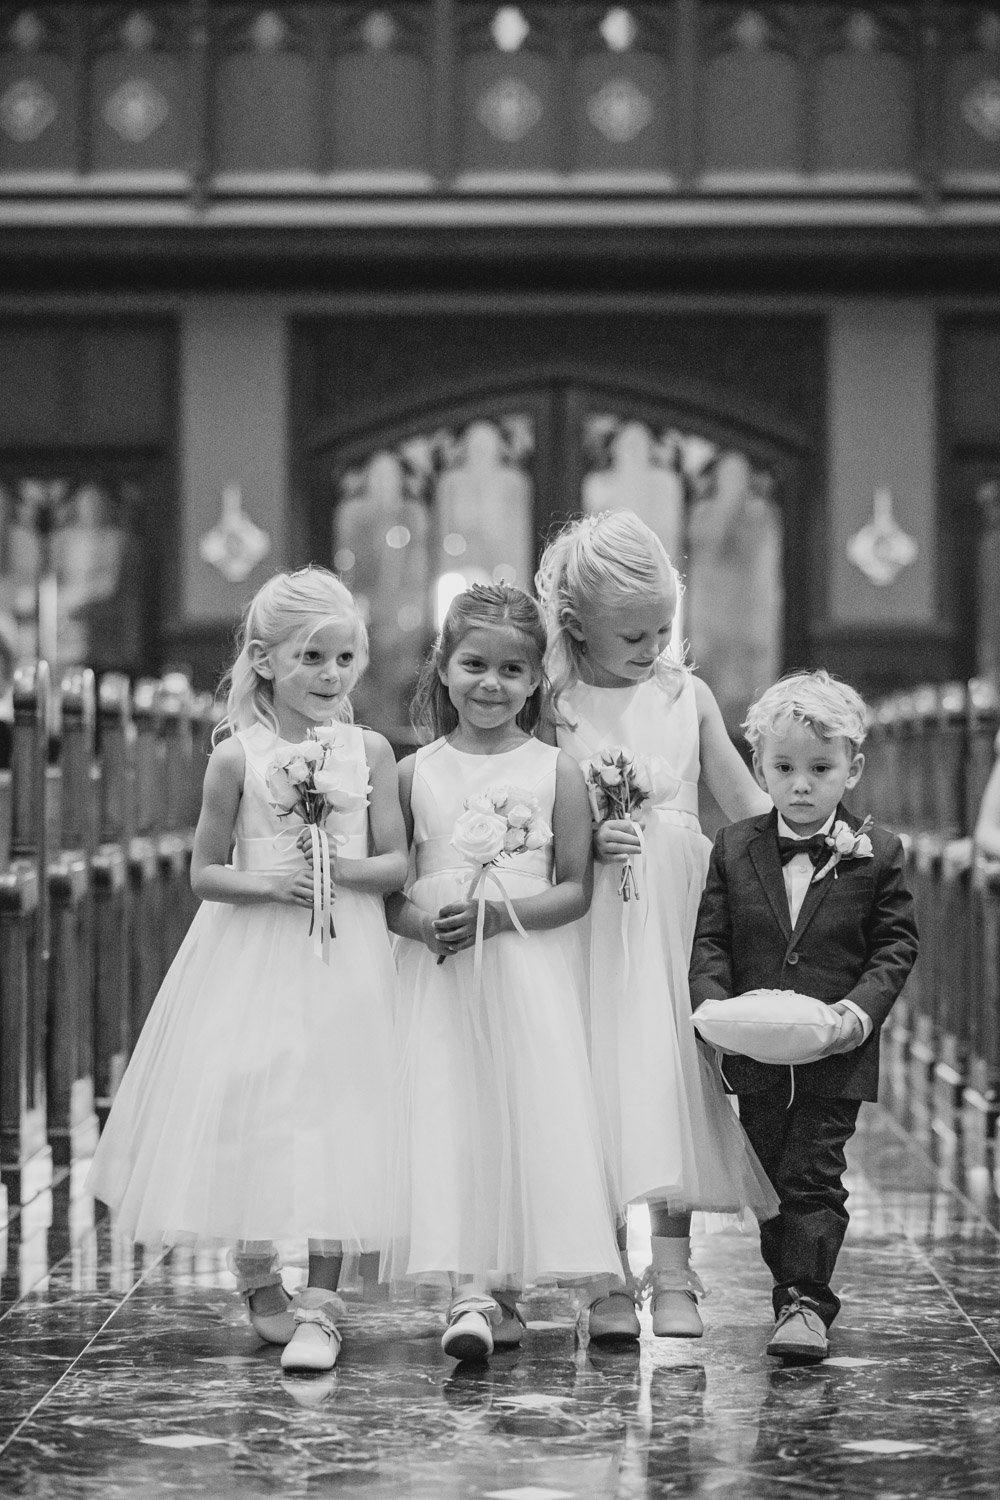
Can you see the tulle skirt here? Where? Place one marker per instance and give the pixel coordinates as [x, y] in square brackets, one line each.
[671, 1132]
[498, 1169]
[256, 1105]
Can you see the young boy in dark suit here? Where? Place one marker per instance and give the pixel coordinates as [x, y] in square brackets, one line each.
[832, 919]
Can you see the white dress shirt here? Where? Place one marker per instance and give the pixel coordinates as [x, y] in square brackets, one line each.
[798, 873]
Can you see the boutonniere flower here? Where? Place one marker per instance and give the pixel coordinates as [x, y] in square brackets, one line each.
[845, 842]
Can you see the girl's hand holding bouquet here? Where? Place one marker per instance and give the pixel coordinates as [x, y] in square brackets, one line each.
[311, 780]
[497, 824]
[619, 785]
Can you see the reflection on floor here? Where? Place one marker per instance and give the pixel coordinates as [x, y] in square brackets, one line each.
[123, 1377]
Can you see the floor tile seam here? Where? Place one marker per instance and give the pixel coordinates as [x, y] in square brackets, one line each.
[50, 1270]
[81, 1354]
[949, 1187]
[924, 1254]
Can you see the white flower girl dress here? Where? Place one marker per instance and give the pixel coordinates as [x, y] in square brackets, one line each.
[499, 1169]
[673, 1135]
[256, 1104]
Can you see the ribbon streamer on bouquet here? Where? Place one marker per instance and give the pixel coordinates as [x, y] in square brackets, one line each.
[486, 875]
[639, 896]
[321, 928]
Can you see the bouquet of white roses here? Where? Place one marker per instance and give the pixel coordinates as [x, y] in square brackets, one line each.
[619, 784]
[497, 823]
[311, 780]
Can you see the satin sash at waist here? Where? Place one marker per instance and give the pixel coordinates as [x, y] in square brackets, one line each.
[438, 855]
[275, 852]
[677, 817]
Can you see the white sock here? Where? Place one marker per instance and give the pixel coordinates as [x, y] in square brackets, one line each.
[672, 1261]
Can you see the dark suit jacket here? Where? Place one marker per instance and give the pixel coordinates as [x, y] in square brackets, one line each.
[855, 939]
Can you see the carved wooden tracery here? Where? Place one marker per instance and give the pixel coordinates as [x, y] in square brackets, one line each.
[685, 95]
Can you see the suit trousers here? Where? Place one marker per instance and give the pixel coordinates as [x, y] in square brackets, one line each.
[801, 1148]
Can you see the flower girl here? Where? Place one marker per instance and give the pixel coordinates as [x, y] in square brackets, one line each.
[610, 593]
[255, 1106]
[504, 1183]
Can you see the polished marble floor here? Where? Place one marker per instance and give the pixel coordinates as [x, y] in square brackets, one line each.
[123, 1376]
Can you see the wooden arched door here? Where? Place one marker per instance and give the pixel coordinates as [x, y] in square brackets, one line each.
[423, 496]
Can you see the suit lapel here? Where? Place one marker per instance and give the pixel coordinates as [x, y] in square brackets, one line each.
[763, 852]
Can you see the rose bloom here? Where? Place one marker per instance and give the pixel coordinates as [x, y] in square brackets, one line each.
[498, 793]
[480, 803]
[610, 775]
[339, 798]
[843, 839]
[283, 794]
[479, 837]
[863, 848]
[513, 840]
[298, 768]
[519, 815]
[538, 835]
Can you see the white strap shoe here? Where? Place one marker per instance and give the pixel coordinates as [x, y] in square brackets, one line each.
[673, 1301]
[469, 1334]
[315, 1344]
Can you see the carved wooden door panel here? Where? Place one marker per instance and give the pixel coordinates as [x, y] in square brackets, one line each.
[411, 499]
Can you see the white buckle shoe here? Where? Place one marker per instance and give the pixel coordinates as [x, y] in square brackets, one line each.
[613, 1319]
[469, 1334]
[675, 1314]
[673, 1302]
[315, 1344]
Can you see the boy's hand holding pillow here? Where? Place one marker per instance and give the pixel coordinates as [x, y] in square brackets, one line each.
[777, 1026]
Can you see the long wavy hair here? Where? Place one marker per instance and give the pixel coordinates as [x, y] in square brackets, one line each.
[286, 606]
[601, 562]
[432, 712]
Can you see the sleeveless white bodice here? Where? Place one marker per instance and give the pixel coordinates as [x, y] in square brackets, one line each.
[645, 719]
[265, 841]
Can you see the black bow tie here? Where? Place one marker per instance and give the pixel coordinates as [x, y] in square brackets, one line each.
[816, 847]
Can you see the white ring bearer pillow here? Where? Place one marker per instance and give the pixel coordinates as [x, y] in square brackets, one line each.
[771, 1026]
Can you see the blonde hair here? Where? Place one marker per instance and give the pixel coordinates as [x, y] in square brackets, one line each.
[601, 562]
[287, 605]
[827, 706]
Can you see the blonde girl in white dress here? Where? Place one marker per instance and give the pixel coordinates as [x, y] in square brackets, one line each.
[256, 1105]
[610, 593]
[500, 1173]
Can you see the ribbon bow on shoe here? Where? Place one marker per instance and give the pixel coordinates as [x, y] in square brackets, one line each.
[316, 1342]
[673, 1300]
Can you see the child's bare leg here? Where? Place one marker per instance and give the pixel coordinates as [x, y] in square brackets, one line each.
[255, 1264]
[326, 1261]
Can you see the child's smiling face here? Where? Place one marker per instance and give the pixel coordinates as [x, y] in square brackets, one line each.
[490, 676]
[311, 673]
[805, 776]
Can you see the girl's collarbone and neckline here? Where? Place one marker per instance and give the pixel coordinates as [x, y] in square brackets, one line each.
[486, 753]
